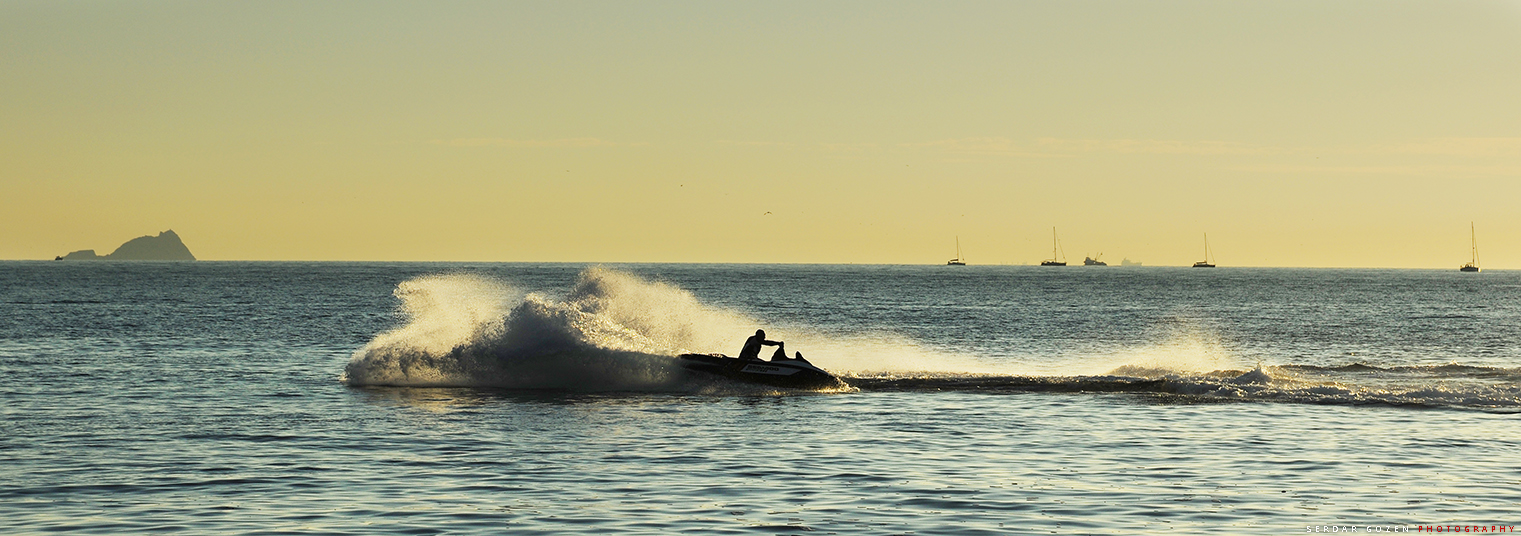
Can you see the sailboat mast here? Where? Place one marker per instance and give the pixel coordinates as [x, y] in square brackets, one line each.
[1474, 239]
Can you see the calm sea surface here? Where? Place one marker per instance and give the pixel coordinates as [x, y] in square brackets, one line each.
[384, 398]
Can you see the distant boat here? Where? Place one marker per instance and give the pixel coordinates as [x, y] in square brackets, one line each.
[1054, 248]
[1473, 265]
[1205, 263]
[958, 261]
[1128, 262]
[1094, 261]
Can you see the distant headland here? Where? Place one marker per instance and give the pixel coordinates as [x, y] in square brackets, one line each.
[164, 247]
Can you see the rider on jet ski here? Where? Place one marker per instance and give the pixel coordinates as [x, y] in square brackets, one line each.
[755, 342]
[753, 346]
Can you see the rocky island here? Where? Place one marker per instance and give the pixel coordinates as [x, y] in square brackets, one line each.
[164, 247]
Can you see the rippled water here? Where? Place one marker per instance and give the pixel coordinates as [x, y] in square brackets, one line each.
[211, 397]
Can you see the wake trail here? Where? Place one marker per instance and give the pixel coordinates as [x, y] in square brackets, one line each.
[614, 331]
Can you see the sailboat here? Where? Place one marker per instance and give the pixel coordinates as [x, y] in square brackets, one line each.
[1473, 265]
[958, 261]
[1205, 263]
[1054, 248]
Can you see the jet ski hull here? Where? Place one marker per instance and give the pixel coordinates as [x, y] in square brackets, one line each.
[790, 374]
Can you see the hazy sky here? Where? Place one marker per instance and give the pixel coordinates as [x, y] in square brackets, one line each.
[1296, 133]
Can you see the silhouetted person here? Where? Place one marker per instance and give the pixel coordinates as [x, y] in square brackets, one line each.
[754, 343]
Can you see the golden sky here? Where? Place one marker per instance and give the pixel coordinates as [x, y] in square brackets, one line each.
[1295, 133]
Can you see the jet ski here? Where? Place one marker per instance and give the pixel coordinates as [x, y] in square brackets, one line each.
[787, 373]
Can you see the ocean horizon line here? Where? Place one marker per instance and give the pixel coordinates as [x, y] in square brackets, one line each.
[713, 263]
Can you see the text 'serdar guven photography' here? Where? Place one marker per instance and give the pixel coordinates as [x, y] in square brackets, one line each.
[760, 267]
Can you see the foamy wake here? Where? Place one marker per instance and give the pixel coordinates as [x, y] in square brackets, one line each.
[1491, 389]
[1196, 364]
[1294, 384]
[610, 331]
